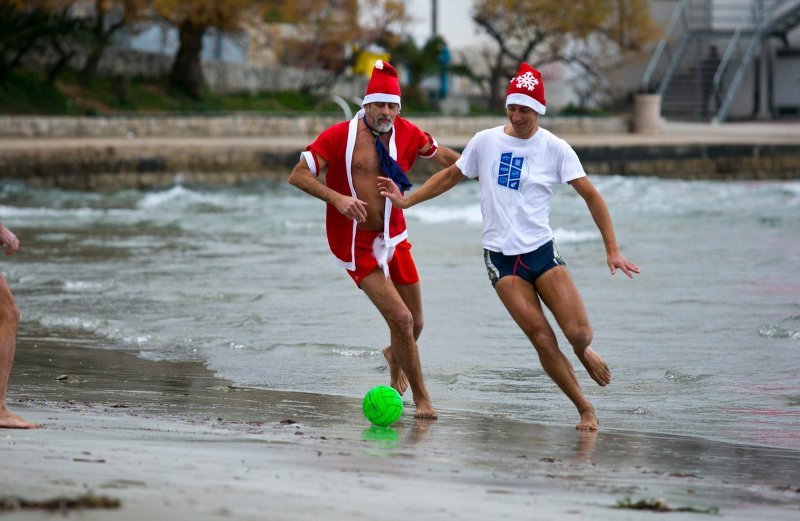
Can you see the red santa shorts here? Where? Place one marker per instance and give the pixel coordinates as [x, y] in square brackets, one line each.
[402, 269]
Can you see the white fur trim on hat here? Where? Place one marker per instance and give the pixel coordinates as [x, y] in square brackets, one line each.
[380, 97]
[383, 86]
[526, 101]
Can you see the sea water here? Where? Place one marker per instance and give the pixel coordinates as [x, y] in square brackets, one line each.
[705, 342]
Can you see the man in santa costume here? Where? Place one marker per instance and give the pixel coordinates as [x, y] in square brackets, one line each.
[366, 233]
[516, 165]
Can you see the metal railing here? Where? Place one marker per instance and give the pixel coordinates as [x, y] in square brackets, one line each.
[762, 19]
[751, 20]
[678, 22]
[744, 25]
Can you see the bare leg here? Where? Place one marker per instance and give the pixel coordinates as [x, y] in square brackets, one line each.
[522, 302]
[558, 292]
[410, 293]
[383, 294]
[9, 318]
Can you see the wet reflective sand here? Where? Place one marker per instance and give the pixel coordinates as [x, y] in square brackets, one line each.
[172, 441]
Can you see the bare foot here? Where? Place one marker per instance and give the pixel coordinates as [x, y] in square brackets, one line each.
[9, 420]
[589, 421]
[596, 366]
[397, 378]
[425, 410]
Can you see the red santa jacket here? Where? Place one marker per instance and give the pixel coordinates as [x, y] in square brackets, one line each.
[336, 145]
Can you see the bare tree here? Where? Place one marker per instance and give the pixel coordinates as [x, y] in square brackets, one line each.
[330, 33]
[106, 18]
[193, 18]
[590, 35]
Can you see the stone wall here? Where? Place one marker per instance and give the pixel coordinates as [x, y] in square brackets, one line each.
[264, 125]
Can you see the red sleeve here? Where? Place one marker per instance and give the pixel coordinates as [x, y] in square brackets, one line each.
[323, 145]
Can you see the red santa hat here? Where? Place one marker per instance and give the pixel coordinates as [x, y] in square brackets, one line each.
[384, 85]
[527, 89]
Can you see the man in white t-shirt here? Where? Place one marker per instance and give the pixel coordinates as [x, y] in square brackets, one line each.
[516, 166]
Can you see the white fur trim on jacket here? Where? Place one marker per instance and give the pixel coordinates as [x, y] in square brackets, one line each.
[311, 161]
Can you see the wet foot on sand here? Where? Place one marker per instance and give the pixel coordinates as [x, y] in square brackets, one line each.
[397, 378]
[425, 411]
[596, 366]
[9, 420]
[589, 421]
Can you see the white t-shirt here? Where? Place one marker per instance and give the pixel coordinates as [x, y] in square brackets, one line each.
[516, 178]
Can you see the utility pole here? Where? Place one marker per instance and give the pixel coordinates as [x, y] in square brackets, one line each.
[434, 28]
[765, 64]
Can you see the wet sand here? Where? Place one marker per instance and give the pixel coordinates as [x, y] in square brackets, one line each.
[171, 441]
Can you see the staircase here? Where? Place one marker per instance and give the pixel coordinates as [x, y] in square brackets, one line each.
[708, 46]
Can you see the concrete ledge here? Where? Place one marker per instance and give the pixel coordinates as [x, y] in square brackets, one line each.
[699, 161]
[735, 151]
[255, 125]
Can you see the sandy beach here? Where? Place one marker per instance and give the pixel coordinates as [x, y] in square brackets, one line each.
[170, 441]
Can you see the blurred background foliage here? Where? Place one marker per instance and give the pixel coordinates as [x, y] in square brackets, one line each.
[50, 50]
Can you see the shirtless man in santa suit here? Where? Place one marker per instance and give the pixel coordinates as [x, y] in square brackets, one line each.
[366, 233]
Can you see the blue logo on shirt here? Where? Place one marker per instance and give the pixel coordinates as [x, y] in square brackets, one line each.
[510, 171]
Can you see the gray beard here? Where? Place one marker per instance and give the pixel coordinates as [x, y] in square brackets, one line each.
[383, 127]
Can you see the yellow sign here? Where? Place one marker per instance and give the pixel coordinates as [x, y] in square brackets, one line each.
[366, 59]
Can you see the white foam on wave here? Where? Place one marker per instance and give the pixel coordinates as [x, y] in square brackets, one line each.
[137, 339]
[469, 214]
[82, 212]
[83, 286]
[354, 352]
[73, 323]
[563, 236]
[156, 199]
[101, 328]
[775, 331]
[181, 195]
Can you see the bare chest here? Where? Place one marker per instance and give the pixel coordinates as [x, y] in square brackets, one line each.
[365, 157]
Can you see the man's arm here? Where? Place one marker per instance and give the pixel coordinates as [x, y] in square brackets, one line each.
[445, 156]
[437, 184]
[304, 179]
[8, 240]
[442, 155]
[602, 218]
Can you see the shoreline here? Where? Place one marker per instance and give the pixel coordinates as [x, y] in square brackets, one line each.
[169, 440]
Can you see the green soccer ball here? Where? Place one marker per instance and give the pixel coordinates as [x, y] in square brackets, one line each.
[382, 405]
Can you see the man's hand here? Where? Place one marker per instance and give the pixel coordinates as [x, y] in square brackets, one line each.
[388, 189]
[8, 240]
[617, 261]
[352, 208]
